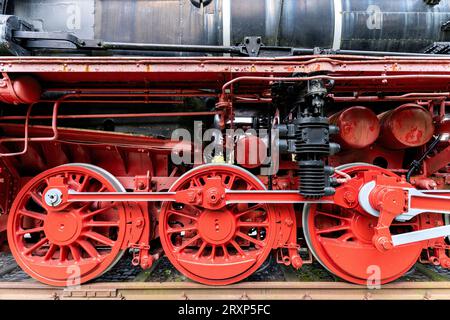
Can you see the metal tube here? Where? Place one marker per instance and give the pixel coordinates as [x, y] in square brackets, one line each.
[118, 115]
[337, 78]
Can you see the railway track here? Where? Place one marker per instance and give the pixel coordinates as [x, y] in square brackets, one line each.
[273, 282]
[242, 291]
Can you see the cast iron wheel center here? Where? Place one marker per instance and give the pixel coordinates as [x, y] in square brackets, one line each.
[216, 227]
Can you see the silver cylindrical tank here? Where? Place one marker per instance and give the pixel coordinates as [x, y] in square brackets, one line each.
[377, 25]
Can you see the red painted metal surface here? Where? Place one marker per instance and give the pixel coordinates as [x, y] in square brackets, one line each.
[358, 127]
[438, 161]
[213, 235]
[23, 89]
[407, 126]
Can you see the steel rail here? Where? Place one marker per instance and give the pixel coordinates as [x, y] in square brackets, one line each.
[241, 291]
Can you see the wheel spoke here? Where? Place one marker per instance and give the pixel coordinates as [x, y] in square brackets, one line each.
[332, 215]
[182, 214]
[197, 182]
[98, 211]
[32, 214]
[213, 252]
[37, 198]
[251, 224]
[100, 238]
[250, 239]
[63, 253]
[33, 230]
[84, 207]
[181, 229]
[333, 229]
[83, 184]
[230, 183]
[89, 248]
[102, 224]
[249, 210]
[200, 250]
[345, 237]
[37, 245]
[50, 252]
[225, 252]
[188, 243]
[237, 247]
[76, 254]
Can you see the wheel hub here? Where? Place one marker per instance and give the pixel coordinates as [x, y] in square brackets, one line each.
[62, 228]
[217, 227]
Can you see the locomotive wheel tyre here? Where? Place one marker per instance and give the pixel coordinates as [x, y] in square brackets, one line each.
[217, 247]
[79, 249]
[354, 262]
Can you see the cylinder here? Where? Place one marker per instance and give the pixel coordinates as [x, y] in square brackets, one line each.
[359, 127]
[407, 126]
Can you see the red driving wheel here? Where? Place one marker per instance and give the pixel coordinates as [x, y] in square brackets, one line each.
[341, 240]
[76, 244]
[217, 247]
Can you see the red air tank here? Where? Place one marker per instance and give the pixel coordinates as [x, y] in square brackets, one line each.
[23, 89]
[358, 127]
[407, 126]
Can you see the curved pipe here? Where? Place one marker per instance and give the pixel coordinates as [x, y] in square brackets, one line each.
[322, 77]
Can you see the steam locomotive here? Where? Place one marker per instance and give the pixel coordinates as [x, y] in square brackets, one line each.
[221, 133]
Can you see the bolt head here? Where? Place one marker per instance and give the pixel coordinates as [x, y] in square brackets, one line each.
[385, 243]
